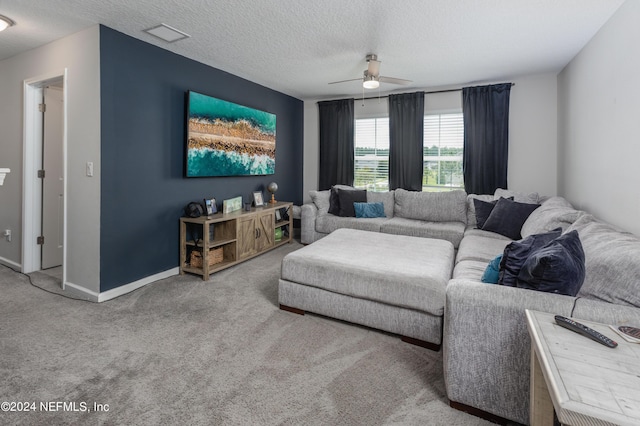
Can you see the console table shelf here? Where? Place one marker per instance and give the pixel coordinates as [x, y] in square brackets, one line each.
[212, 244]
[240, 235]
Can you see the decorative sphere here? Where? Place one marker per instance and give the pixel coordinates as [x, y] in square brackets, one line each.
[272, 187]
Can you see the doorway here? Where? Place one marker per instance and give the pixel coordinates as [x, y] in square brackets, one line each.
[53, 180]
[45, 172]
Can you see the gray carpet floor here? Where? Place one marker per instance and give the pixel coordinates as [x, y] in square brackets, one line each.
[186, 351]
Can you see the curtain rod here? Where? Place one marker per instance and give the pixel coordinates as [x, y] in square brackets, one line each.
[426, 93]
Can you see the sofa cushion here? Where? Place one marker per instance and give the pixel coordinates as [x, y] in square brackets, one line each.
[558, 267]
[516, 254]
[604, 312]
[328, 223]
[369, 210]
[485, 234]
[520, 197]
[611, 261]
[480, 248]
[386, 198]
[471, 208]
[431, 206]
[321, 200]
[450, 231]
[349, 196]
[469, 269]
[556, 212]
[507, 217]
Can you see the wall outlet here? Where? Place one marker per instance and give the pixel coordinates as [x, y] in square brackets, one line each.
[7, 234]
[90, 168]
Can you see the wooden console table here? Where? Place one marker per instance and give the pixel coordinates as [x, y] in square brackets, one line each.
[225, 240]
[587, 383]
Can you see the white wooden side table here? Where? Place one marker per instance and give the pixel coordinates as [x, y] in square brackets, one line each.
[587, 383]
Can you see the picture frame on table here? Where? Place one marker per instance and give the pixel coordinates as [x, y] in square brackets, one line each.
[210, 206]
[258, 201]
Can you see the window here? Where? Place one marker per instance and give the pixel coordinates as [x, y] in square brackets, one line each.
[372, 154]
[442, 161]
[443, 146]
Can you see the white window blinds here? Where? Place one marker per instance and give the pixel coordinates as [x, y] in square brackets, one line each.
[443, 146]
[372, 154]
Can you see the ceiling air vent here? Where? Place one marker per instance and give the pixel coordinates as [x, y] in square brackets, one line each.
[167, 33]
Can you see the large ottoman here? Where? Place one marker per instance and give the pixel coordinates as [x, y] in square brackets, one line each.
[394, 283]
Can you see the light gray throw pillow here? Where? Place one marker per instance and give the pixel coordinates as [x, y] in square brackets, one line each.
[556, 212]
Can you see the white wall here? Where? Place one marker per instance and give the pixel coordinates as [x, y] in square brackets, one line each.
[532, 132]
[599, 112]
[80, 55]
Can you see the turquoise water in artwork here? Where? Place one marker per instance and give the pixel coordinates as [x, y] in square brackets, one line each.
[213, 162]
[209, 108]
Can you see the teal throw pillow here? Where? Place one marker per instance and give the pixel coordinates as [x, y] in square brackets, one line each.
[369, 210]
[492, 273]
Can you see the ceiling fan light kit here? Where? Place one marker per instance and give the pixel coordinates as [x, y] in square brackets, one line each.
[6, 22]
[370, 82]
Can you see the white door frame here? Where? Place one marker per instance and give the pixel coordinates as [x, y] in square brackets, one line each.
[32, 161]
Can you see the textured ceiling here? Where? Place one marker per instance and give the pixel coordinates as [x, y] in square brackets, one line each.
[298, 47]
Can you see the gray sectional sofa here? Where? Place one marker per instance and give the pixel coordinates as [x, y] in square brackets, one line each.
[485, 342]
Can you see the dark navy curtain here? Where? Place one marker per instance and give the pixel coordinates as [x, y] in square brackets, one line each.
[486, 137]
[406, 123]
[337, 128]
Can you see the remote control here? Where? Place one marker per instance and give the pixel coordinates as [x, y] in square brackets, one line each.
[584, 330]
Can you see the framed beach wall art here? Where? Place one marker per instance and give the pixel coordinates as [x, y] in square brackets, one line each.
[227, 139]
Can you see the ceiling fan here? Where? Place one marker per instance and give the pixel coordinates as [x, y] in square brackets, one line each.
[372, 77]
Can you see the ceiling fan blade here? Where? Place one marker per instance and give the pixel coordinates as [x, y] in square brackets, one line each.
[374, 67]
[395, 80]
[345, 81]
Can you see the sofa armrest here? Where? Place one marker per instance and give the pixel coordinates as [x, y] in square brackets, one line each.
[486, 345]
[308, 215]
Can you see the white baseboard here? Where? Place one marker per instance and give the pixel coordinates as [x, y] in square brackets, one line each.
[127, 288]
[91, 295]
[11, 264]
[82, 292]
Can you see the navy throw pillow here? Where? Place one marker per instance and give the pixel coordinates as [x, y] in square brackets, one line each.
[558, 267]
[483, 210]
[369, 210]
[349, 196]
[516, 253]
[334, 202]
[507, 218]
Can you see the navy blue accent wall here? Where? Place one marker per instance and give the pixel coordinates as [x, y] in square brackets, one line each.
[143, 191]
